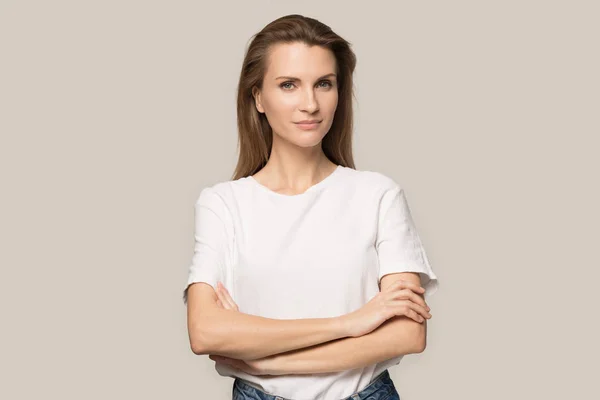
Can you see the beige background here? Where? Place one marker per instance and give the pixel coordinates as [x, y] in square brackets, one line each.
[114, 115]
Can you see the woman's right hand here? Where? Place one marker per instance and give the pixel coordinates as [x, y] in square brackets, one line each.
[400, 298]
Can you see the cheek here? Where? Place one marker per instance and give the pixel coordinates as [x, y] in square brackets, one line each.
[280, 107]
[332, 101]
[287, 103]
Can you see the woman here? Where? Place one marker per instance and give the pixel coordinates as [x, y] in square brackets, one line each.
[324, 262]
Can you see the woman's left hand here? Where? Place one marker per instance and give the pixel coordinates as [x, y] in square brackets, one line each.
[225, 300]
[259, 367]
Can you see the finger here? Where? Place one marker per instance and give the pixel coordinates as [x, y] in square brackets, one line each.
[226, 294]
[224, 302]
[418, 290]
[403, 309]
[228, 297]
[403, 284]
[407, 308]
[235, 363]
[219, 296]
[414, 287]
[417, 317]
[419, 309]
[223, 297]
[410, 295]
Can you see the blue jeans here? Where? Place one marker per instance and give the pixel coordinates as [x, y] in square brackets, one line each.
[381, 388]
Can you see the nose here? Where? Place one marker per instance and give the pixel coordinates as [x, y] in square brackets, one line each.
[309, 102]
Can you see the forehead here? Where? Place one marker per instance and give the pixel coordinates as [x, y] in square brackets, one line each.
[299, 60]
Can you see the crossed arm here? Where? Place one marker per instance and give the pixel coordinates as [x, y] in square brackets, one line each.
[397, 336]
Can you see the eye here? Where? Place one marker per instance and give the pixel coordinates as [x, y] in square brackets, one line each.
[284, 84]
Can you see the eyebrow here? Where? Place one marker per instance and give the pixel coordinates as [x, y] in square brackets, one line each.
[292, 78]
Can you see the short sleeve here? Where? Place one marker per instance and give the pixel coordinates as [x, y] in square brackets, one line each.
[399, 247]
[211, 241]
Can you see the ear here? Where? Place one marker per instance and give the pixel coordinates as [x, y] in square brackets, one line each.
[257, 100]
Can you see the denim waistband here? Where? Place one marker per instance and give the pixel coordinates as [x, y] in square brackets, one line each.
[382, 382]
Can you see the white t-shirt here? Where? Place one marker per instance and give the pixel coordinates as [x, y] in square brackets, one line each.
[318, 254]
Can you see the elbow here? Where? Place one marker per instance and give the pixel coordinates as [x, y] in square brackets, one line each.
[198, 348]
[420, 338]
[420, 344]
[199, 343]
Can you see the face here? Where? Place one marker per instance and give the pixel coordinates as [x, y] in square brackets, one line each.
[299, 84]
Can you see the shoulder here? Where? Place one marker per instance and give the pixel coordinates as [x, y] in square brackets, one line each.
[218, 197]
[223, 190]
[374, 181]
[376, 190]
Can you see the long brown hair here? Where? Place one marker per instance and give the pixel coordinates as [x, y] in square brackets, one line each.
[255, 136]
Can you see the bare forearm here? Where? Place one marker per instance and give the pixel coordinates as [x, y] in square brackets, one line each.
[249, 337]
[395, 337]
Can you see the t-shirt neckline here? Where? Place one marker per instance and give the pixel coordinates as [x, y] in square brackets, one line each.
[323, 182]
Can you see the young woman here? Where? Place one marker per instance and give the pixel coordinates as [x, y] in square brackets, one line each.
[308, 276]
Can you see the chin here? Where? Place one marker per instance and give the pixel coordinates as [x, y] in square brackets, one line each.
[311, 139]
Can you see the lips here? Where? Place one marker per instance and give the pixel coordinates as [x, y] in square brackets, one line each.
[307, 126]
